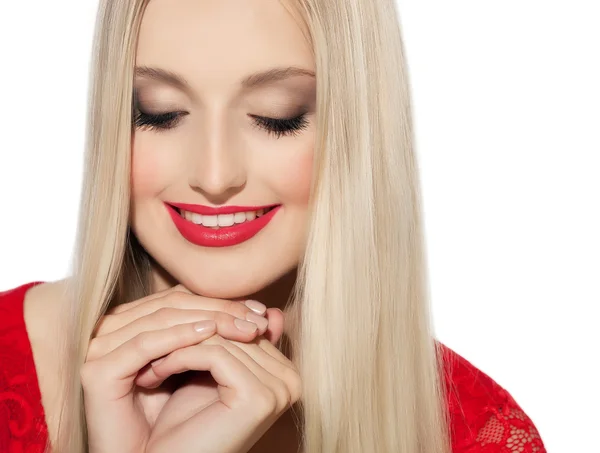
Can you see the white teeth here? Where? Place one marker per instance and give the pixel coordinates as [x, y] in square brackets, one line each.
[222, 220]
[210, 220]
[225, 220]
[239, 217]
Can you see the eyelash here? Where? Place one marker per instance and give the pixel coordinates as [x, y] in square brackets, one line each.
[274, 126]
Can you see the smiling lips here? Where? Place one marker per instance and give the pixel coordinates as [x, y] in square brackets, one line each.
[219, 227]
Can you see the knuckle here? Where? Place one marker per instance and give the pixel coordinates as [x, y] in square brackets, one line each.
[284, 398]
[294, 384]
[141, 342]
[222, 318]
[177, 299]
[234, 308]
[179, 289]
[162, 317]
[163, 312]
[94, 349]
[265, 402]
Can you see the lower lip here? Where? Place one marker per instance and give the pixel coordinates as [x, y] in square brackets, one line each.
[223, 237]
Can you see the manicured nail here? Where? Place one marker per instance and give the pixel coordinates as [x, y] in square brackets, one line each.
[261, 322]
[245, 326]
[203, 326]
[256, 306]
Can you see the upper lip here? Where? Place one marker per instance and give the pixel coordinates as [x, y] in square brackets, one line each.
[213, 210]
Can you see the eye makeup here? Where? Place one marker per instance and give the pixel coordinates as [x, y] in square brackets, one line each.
[281, 126]
[277, 127]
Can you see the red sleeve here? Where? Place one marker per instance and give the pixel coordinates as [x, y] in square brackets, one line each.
[484, 417]
[22, 420]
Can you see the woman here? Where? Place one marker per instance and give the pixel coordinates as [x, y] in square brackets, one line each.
[266, 167]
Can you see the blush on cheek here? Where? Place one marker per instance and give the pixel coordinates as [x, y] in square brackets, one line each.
[294, 178]
[147, 174]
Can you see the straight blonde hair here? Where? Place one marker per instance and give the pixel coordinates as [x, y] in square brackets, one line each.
[361, 326]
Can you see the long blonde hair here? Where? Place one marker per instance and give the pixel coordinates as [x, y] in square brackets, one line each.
[362, 333]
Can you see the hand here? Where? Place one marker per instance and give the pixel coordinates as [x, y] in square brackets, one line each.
[254, 384]
[119, 415]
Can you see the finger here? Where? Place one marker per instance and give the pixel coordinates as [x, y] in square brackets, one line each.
[113, 374]
[228, 371]
[227, 326]
[152, 380]
[276, 323]
[124, 307]
[247, 401]
[268, 357]
[273, 351]
[273, 374]
[269, 371]
[175, 299]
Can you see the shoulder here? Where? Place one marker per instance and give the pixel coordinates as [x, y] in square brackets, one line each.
[25, 314]
[484, 417]
[43, 305]
[11, 307]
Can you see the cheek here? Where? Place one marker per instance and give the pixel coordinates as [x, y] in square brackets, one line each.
[292, 178]
[148, 172]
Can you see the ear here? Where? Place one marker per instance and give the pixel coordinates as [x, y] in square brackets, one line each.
[275, 329]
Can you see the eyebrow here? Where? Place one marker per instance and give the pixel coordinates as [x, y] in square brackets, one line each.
[252, 81]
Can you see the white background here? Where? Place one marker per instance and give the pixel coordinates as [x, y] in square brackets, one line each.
[507, 110]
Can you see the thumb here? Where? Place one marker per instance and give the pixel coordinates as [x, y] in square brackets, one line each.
[276, 320]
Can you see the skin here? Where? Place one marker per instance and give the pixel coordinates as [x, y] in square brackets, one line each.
[215, 155]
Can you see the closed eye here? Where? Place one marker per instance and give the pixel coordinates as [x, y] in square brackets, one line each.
[157, 121]
[274, 126]
[281, 126]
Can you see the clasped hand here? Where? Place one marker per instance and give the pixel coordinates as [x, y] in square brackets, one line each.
[247, 385]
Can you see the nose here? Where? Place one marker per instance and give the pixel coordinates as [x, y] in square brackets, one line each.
[218, 170]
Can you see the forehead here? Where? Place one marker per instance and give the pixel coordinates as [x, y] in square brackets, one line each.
[220, 39]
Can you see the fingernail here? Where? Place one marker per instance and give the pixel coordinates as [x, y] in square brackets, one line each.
[261, 322]
[256, 306]
[203, 326]
[245, 326]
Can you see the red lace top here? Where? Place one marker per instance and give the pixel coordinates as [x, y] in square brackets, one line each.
[484, 417]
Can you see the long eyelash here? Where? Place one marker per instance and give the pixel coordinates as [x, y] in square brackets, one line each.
[275, 126]
[279, 127]
[162, 121]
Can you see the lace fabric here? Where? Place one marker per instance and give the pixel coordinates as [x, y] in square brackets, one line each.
[509, 430]
[484, 418]
[22, 420]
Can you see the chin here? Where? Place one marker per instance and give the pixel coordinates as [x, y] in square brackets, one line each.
[223, 290]
[220, 283]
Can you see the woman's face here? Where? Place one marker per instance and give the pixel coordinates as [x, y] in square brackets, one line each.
[223, 143]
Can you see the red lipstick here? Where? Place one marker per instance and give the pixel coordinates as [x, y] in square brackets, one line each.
[210, 210]
[224, 236]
